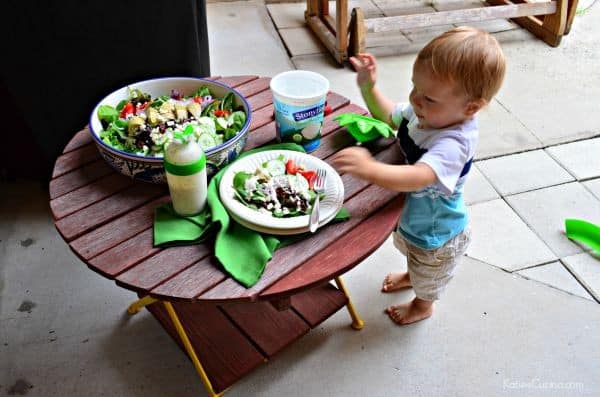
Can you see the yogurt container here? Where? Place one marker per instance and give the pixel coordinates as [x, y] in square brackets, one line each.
[299, 100]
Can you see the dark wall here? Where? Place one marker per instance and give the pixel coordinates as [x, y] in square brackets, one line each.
[59, 58]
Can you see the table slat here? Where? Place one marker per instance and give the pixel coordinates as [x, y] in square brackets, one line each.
[224, 352]
[89, 194]
[80, 139]
[125, 255]
[271, 330]
[77, 178]
[254, 87]
[148, 274]
[192, 281]
[261, 117]
[235, 81]
[74, 159]
[318, 304]
[75, 225]
[116, 231]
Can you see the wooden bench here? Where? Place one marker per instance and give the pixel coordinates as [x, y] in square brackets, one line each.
[344, 36]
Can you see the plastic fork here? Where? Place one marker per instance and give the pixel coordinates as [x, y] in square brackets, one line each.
[318, 187]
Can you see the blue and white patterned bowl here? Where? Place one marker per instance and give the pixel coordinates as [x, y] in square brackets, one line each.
[150, 168]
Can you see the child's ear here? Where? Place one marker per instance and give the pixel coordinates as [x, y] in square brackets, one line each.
[475, 106]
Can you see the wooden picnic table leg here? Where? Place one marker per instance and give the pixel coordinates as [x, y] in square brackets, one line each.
[357, 323]
[190, 350]
[140, 303]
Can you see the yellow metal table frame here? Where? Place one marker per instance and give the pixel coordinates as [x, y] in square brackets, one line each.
[344, 36]
[357, 324]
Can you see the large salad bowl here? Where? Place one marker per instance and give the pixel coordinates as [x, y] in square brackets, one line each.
[149, 167]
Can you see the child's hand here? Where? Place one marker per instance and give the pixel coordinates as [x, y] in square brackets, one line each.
[356, 161]
[366, 69]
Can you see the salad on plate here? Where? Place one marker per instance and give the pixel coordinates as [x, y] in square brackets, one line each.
[278, 187]
[145, 126]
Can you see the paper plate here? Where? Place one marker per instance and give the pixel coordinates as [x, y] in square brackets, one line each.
[265, 222]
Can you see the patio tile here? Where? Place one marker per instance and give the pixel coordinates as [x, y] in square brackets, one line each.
[521, 172]
[593, 186]
[580, 158]
[502, 239]
[587, 270]
[238, 57]
[301, 41]
[287, 15]
[501, 132]
[545, 211]
[538, 87]
[555, 275]
[477, 188]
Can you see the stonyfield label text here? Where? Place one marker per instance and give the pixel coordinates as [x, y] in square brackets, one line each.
[308, 113]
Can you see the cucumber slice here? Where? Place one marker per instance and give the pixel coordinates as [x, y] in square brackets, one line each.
[275, 167]
[207, 141]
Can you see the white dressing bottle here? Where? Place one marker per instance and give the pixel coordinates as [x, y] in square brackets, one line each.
[185, 166]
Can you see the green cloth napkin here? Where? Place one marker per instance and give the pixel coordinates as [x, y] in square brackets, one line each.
[243, 252]
[364, 128]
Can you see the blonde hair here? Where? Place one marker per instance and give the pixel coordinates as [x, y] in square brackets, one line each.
[468, 57]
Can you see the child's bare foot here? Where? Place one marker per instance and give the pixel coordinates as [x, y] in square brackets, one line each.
[395, 281]
[413, 311]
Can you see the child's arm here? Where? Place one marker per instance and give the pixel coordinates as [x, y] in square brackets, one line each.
[366, 68]
[402, 178]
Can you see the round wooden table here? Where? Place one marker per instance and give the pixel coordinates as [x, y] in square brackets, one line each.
[225, 328]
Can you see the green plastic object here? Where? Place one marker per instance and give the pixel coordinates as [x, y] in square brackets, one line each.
[364, 128]
[583, 232]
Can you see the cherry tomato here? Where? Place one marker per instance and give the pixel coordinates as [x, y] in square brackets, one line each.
[328, 110]
[197, 99]
[221, 113]
[291, 167]
[309, 176]
[127, 109]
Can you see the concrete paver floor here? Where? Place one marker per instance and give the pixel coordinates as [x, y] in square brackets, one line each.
[521, 317]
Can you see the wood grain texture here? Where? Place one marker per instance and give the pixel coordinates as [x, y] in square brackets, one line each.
[88, 218]
[225, 353]
[113, 233]
[79, 177]
[125, 255]
[89, 194]
[270, 330]
[235, 81]
[75, 159]
[318, 304]
[80, 139]
[167, 263]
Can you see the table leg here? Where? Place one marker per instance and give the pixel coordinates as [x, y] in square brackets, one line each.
[140, 303]
[190, 349]
[357, 323]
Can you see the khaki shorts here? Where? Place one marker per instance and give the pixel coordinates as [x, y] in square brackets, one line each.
[430, 271]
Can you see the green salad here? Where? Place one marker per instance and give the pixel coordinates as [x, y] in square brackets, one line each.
[145, 126]
[278, 187]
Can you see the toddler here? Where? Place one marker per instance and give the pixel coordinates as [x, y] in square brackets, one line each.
[454, 76]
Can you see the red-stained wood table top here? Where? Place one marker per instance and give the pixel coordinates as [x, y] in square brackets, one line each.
[106, 219]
